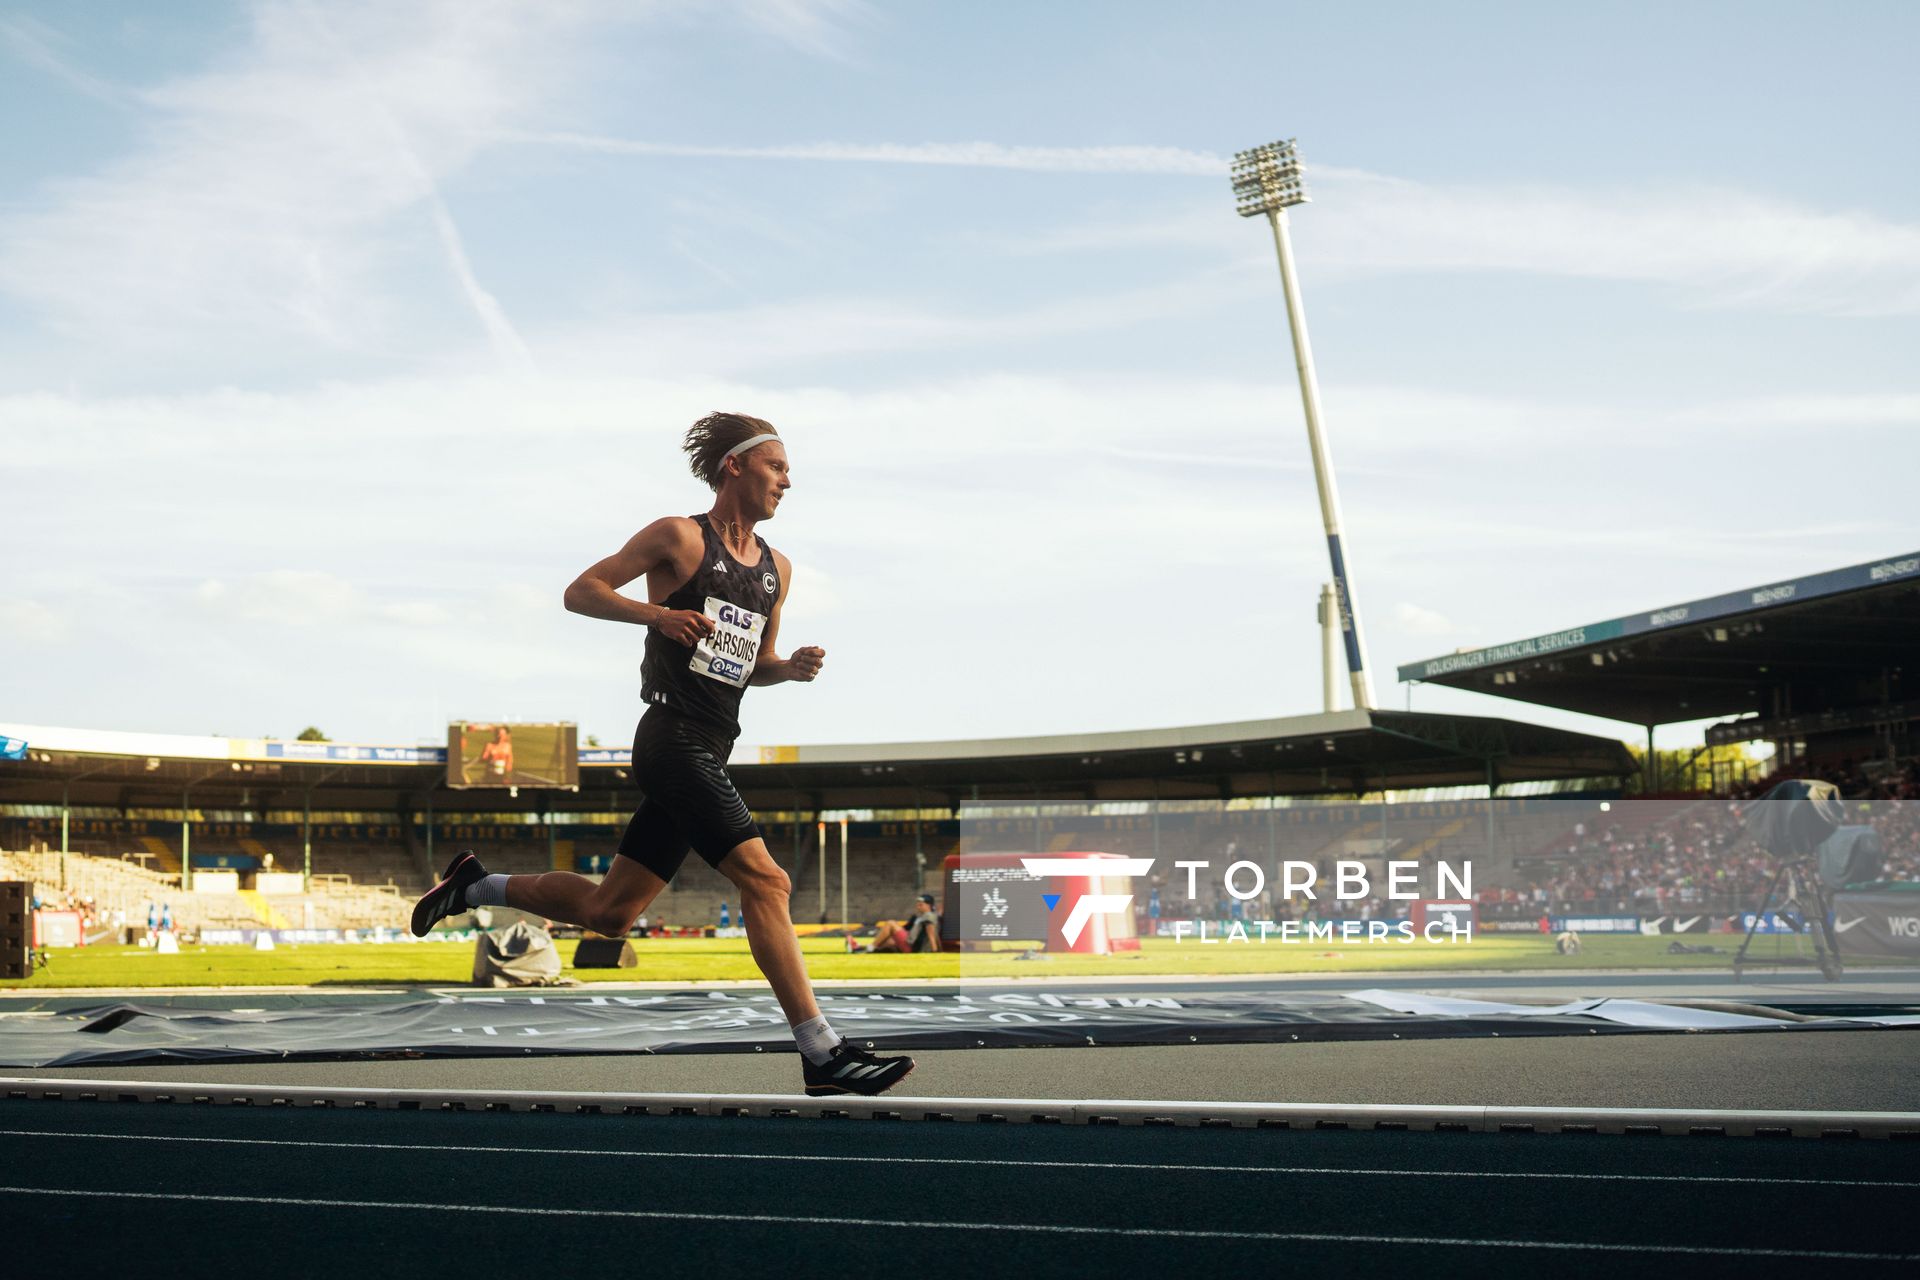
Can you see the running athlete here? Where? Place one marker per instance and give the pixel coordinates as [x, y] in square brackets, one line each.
[714, 591]
[497, 755]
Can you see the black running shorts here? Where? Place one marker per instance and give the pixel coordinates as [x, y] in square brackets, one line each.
[690, 801]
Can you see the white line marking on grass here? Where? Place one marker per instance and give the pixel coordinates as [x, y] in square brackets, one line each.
[1036, 1228]
[969, 1161]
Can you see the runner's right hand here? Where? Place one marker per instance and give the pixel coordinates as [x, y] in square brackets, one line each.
[683, 626]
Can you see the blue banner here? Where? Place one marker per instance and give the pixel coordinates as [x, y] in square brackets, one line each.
[1594, 924]
[1773, 922]
[13, 748]
[224, 862]
[350, 752]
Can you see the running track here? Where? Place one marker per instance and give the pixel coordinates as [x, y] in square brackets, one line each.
[295, 1191]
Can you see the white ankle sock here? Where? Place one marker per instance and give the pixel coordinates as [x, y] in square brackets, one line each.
[488, 891]
[816, 1039]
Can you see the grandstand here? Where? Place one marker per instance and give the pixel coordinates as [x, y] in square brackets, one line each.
[254, 833]
[361, 828]
[1821, 666]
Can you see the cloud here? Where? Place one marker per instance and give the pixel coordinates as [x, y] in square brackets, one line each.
[926, 518]
[31, 621]
[296, 598]
[768, 339]
[1845, 410]
[1725, 247]
[1264, 462]
[818, 27]
[1415, 620]
[813, 595]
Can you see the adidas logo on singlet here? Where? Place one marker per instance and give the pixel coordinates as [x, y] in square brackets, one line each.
[719, 566]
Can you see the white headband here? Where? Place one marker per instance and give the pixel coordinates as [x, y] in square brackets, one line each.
[745, 445]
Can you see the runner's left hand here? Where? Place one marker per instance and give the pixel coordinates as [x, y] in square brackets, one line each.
[805, 663]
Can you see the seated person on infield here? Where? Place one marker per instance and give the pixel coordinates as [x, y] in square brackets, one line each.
[918, 932]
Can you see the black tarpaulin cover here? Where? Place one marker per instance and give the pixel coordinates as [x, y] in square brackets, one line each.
[749, 1021]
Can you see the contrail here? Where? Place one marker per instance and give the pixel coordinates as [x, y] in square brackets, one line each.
[506, 340]
[973, 155]
[493, 317]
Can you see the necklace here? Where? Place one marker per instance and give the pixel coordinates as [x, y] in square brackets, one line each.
[730, 531]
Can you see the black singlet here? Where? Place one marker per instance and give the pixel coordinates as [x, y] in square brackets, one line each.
[667, 675]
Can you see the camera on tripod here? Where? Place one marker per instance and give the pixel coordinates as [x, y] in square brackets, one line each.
[1802, 824]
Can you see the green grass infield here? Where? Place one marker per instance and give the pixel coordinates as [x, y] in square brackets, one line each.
[445, 963]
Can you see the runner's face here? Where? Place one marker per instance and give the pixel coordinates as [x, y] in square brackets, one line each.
[764, 480]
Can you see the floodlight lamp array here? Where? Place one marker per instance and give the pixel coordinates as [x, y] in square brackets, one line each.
[1266, 179]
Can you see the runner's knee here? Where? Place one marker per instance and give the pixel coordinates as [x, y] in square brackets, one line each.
[611, 918]
[772, 884]
[763, 879]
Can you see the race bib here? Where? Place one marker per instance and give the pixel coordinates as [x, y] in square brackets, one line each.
[728, 654]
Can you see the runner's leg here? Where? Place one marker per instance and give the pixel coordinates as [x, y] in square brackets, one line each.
[651, 850]
[765, 891]
[688, 778]
[609, 907]
[829, 1065]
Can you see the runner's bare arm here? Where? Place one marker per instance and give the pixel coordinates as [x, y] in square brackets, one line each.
[771, 668]
[672, 541]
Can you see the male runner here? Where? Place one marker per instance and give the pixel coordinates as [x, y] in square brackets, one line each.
[497, 756]
[714, 592]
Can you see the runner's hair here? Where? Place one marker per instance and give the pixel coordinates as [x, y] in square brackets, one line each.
[709, 439]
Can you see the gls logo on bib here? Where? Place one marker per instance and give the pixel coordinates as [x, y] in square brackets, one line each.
[728, 654]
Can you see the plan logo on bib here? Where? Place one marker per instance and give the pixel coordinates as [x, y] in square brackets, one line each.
[1087, 905]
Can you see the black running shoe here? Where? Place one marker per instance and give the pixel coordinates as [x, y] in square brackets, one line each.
[852, 1070]
[449, 897]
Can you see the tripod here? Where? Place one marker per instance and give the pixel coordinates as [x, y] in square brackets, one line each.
[1797, 895]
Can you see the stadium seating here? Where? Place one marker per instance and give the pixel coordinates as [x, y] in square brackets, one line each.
[1644, 857]
[122, 889]
[1664, 857]
[362, 885]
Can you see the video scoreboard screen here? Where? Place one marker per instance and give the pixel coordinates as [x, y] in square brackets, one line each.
[491, 754]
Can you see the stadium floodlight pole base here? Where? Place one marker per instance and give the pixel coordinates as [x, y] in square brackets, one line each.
[1390, 1117]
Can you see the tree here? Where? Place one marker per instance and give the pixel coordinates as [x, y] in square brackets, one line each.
[311, 734]
[1694, 769]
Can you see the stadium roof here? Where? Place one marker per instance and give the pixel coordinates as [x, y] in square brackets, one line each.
[1846, 638]
[1333, 753]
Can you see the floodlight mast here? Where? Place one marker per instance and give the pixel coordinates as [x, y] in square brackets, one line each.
[1266, 180]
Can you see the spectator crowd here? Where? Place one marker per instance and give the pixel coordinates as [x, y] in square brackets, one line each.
[1700, 860]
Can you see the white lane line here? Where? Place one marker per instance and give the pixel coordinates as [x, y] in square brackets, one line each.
[968, 1161]
[1037, 1228]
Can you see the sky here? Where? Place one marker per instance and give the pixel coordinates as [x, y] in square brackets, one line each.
[337, 338]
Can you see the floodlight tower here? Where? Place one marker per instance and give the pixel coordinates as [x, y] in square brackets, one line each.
[1267, 180]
